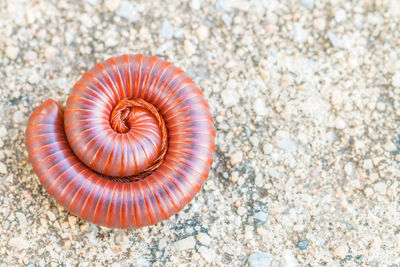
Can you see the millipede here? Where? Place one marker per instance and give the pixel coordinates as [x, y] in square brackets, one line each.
[132, 146]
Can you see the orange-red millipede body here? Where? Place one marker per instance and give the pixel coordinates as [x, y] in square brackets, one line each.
[132, 147]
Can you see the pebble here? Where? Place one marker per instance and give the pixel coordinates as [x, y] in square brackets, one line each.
[259, 107]
[286, 144]
[241, 211]
[127, 11]
[185, 244]
[340, 123]
[50, 52]
[202, 33]
[336, 98]
[309, 4]
[340, 15]
[204, 239]
[167, 30]
[260, 259]
[229, 97]
[72, 221]
[19, 243]
[12, 52]
[390, 146]
[3, 168]
[299, 34]
[189, 47]
[21, 218]
[381, 188]
[18, 117]
[3, 131]
[340, 251]
[302, 245]
[236, 157]
[30, 56]
[51, 215]
[112, 5]
[396, 79]
[261, 216]
[334, 39]
[195, 4]
[120, 238]
[33, 78]
[288, 259]
[207, 254]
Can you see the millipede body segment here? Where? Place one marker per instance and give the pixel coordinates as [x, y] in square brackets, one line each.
[132, 147]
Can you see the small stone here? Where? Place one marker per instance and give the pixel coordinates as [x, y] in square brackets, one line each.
[204, 239]
[33, 78]
[259, 107]
[390, 146]
[241, 211]
[396, 79]
[207, 254]
[127, 11]
[50, 52]
[381, 188]
[19, 243]
[112, 5]
[229, 97]
[167, 30]
[287, 145]
[340, 123]
[261, 216]
[185, 244]
[268, 148]
[51, 216]
[260, 259]
[334, 39]
[30, 56]
[202, 32]
[72, 220]
[349, 169]
[195, 4]
[18, 117]
[92, 2]
[302, 245]
[121, 238]
[336, 98]
[189, 47]
[341, 251]
[340, 15]
[227, 19]
[299, 34]
[21, 218]
[236, 157]
[12, 52]
[309, 4]
[3, 131]
[381, 106]
[288, 259]
[3, 168]
[86, 20]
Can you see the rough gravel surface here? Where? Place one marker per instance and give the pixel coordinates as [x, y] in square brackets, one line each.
[306, 100]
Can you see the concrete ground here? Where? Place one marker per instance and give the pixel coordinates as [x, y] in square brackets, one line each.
[306, 100]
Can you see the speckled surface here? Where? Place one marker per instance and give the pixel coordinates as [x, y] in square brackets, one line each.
[306, 101]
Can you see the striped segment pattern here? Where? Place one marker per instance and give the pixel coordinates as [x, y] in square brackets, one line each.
[96, 170]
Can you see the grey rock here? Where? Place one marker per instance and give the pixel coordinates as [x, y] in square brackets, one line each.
[309, 4]
[334, 39]
[261, 216]
[260, 259]
[167, 30]
[128, 11]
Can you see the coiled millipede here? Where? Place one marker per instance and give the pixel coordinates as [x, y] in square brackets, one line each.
[133, 146]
